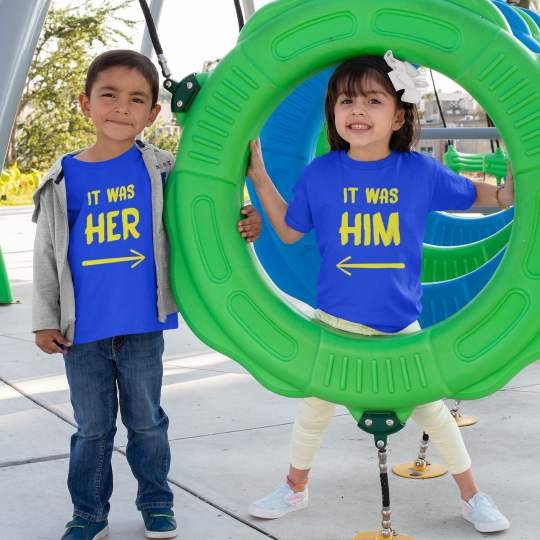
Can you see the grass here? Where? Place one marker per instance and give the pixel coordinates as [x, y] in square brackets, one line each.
[17, 200]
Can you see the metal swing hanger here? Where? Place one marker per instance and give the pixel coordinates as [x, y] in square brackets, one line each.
[183, 92]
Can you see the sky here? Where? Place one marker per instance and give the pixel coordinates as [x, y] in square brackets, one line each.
[192, 31]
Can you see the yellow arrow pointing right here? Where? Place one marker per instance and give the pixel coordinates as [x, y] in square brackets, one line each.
[138, 258]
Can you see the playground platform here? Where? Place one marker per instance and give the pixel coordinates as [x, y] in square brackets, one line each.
[229, 439]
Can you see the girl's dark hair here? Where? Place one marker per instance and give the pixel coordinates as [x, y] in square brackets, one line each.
[125, 58]
[352, 78]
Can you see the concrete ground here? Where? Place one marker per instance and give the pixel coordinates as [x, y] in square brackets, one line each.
[229, 439]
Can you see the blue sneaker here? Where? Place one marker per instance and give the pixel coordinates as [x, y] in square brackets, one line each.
[159, 523]
[82, 529]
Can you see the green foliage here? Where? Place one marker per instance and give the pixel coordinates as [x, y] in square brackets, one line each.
[48, 121]
[16, 185]
[521, 3]
[163, 135]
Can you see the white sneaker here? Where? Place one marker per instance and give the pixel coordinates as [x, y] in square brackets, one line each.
[483, 513]
[280, 502]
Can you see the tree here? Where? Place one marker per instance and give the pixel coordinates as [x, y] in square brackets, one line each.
[48, 121]
[521, 3]
[164, 135]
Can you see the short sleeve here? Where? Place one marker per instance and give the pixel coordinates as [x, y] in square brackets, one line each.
[450, 190]
[299, 215]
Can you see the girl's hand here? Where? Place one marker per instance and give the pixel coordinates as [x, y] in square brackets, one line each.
[51, 341]
[506, 193]
[256, 169]
[250, 226]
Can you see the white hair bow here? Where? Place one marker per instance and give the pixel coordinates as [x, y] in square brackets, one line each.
[405, 76]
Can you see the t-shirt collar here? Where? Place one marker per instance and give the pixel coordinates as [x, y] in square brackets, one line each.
[356, 165]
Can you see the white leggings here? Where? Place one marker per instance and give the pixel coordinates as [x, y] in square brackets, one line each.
[434, 418]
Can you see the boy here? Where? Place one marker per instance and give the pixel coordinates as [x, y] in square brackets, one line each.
[102, 296]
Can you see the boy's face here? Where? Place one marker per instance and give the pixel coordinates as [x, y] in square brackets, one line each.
[119, 105]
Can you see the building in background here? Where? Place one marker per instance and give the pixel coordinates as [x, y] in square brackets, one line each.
[460, 110]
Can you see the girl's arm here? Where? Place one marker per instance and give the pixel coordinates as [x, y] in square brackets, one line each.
[500, 197]
[272, 202]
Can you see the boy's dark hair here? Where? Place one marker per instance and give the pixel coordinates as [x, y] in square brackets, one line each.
[125, 58]
[353, 77]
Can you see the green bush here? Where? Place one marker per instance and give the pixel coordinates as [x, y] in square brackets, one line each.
[16, 187]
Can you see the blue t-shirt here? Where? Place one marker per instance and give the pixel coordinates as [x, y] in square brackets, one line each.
[111, 248]
[369, 220]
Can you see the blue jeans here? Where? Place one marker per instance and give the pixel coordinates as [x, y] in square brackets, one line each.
[129, 370]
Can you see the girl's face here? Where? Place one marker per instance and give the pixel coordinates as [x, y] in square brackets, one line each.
[367, 121]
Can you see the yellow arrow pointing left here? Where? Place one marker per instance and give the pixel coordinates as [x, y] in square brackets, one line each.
[344, 264]
[138, 258]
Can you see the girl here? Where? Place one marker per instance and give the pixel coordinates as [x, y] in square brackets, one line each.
[368, 201]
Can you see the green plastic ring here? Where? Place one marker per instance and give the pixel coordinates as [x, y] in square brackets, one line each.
[228, 302]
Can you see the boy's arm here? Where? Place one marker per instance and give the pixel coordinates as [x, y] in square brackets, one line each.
[46, 290]
[250, 226]
[272, 202]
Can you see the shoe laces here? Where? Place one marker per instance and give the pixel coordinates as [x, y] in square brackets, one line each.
[279, 496]
[484, 503]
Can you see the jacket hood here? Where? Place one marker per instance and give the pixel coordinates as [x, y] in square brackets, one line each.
[51, 175]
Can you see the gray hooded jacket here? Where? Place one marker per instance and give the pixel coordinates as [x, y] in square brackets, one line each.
[53, 303]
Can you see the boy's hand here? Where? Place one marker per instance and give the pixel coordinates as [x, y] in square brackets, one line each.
[250, 226]
[256, 169]
[51, 341]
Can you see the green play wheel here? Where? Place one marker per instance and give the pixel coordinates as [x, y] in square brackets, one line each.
[224, 296]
